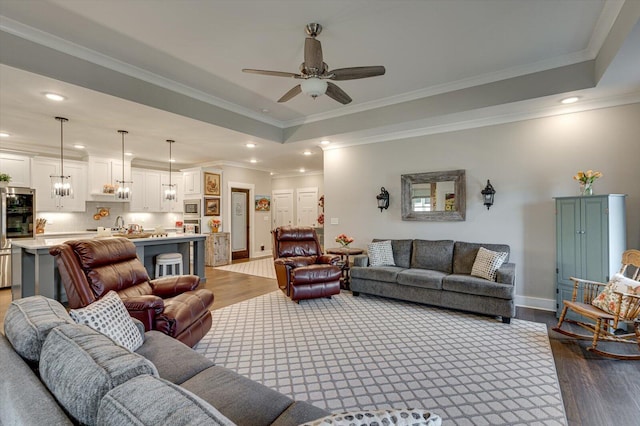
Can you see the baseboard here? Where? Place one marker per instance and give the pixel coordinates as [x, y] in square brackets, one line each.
[536, 303]
[262, 254]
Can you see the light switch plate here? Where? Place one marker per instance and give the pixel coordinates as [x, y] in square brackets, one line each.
[335, 221]
[266, 218]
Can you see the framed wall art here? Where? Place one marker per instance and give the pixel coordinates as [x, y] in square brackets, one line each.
[211, 184]
[263, 203]
[212, 206]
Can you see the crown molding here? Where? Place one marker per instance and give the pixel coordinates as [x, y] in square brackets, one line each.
[56, 43]
[501, 114]
[606, 20]
[297, 175]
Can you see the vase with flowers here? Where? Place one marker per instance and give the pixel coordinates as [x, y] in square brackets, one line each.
[214, 224]
[586, 180]
[4, 180]
[344, 240]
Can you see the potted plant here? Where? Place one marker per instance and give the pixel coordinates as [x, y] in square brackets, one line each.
[4, 179]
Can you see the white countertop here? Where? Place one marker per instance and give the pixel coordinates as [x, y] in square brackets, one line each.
[45, 241]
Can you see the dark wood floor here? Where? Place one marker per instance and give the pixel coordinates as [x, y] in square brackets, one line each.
[595, 390]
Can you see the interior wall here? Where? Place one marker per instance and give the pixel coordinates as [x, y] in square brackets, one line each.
[528, 162]
[261, 235]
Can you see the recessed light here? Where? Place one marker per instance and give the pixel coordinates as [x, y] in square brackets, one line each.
[79, 146]
[307, 153]
[4, 135]
[302, 170]
[253, 161]
[250, 145]
[265, 111]
[325, 142]
[570, 100]
[55, 97]
[172, 160]
[128, 154]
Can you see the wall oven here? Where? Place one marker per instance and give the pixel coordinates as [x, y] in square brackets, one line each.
[192, 208]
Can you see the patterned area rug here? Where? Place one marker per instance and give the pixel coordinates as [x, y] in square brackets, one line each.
[368, 352]
[261, 267]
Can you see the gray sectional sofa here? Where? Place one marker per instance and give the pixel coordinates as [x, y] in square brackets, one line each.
[56, 372]
[439, 273]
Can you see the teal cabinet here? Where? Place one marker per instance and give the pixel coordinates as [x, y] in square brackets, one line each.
[590, 240]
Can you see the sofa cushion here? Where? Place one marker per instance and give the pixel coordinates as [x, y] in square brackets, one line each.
[487, 263]
[464, 254]
[110, 317]
[175, 361]
[28, 321]
[79, 366]
[380, 254]
[462, 283]
[424, 278]
[299, 412]
[436, 255]
[147, 400]
[240, 399]
[401, 251]
[379, 273]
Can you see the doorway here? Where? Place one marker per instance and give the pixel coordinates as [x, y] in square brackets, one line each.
[239, 223]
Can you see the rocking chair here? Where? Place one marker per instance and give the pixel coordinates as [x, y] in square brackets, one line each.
[625, 308]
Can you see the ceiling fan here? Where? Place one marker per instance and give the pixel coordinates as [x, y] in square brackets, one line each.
[314, 73]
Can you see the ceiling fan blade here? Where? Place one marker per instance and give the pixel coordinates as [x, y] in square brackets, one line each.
[334, 92]
[272, 73]
[313, 55]
[356, 72]
[290, 94]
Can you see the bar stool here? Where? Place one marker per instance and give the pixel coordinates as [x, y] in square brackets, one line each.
[168, 259]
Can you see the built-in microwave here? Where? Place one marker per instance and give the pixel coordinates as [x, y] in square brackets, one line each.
[192, 207]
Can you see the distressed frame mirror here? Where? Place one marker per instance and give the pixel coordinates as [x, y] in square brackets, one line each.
[435, 196]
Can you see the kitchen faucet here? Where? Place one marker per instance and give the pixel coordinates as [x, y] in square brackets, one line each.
[119, 223]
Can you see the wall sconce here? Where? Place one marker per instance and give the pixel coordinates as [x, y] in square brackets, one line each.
[383, 199]
[487, 194]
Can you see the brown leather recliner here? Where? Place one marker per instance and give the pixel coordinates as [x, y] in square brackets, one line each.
[91, 268]
[303, 272]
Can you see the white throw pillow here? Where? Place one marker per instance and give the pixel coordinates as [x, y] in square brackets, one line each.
[110, 317]
[380, 254]
[487, 263]
[607, 300]
[407, 417]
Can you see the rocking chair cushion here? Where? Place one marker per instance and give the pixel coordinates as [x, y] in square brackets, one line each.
[607, 300]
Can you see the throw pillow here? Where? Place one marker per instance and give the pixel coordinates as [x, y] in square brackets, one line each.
[408, 417]
[148, 400]
[607, 300]
[110, 317]
[381, 254]
[28, 322]
[487, 263]
[79, 366]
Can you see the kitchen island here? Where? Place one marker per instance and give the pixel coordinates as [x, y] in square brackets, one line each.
[34, 270]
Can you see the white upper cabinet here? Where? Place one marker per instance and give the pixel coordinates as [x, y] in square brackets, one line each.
[18, 167]
[43, 169]
[192, 182]
[177, 181]
[146, 191]
[105, 172]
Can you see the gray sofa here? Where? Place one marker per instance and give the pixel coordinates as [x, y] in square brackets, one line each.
[439, 273]
[56, 372]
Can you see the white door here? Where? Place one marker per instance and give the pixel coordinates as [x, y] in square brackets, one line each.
[307, 207]
[239, 223]
[282, 207]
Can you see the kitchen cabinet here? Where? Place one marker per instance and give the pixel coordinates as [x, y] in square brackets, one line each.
[105, 171]
[177, 180]
[217, 249]
[590, 240]
[146, 191]
[192, 182]
[18, 167]
[43, 169]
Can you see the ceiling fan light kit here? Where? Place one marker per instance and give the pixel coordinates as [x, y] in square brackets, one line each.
[314, 72]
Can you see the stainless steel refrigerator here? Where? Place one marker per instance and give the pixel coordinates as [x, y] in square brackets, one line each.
[17, 217]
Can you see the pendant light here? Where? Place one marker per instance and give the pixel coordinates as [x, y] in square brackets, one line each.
[124, 190]
[170, 191]
[61, 185]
